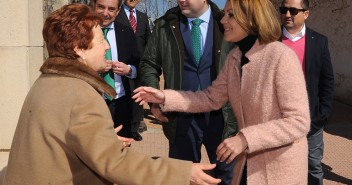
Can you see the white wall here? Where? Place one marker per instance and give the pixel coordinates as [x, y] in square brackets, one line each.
[21, 54]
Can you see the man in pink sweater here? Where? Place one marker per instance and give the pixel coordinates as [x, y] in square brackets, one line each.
[313, 53]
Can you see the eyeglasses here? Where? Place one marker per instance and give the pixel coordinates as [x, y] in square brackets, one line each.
[293, 11]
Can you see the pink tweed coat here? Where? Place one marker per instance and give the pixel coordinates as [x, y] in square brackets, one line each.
[271, 105]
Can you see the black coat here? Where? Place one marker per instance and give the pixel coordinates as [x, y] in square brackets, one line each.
[319, 78]
[126, 48]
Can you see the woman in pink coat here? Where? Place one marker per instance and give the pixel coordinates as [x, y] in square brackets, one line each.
[263, 81]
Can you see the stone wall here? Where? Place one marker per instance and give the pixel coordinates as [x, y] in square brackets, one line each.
[21, 55]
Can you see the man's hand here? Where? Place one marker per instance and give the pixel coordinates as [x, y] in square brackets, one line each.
[158, 114]
[199, 177]
[121, 68]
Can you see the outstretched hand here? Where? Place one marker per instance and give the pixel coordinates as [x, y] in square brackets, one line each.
[148, 95]
[199, 177]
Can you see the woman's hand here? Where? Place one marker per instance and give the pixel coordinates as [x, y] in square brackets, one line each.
[126, 142]
[231, 147]
[148, 95]
[199, 177]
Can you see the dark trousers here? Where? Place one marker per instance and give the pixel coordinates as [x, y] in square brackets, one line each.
[192, 131]
[137, 110]
[137, 116]
[121, 112]
[315, 155]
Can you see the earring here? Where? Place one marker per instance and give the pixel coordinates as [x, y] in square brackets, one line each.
[84, 59]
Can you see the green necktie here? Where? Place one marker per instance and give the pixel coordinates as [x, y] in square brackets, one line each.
[196, 39]
[108, 76]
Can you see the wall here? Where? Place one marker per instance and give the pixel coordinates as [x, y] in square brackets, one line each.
[21, 54]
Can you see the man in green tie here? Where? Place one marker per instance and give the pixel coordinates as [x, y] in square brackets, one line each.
[185, 47]
[122, 63]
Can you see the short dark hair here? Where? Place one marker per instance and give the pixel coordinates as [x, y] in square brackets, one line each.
[69, 27]
[304, 4]
[119, 3]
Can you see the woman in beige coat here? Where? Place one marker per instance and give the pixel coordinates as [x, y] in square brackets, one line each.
[263, 81]
[65, 132]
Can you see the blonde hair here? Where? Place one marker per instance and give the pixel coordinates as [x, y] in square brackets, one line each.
[257, 17]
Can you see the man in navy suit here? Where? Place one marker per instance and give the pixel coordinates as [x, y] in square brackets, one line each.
[185, 47]
[123, 65]
[138, 21]
[313, 52]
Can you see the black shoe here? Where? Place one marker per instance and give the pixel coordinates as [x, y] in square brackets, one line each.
[136, 136]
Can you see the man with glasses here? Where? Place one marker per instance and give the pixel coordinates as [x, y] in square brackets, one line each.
[185, 47]
[313, 53]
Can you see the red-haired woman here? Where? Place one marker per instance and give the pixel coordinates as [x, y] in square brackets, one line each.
[65, 132]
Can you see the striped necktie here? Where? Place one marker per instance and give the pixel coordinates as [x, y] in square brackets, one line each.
[133, 21]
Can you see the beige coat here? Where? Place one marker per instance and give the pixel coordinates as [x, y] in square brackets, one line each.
[270, 102]
[65, 136]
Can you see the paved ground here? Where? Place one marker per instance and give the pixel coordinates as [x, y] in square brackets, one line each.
[338, 145]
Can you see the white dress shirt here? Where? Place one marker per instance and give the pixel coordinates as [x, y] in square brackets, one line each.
[203, 26]
[297, 37]
[120, 90]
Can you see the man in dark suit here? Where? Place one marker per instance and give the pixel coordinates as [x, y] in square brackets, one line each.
[138, 21]
[313, 52]
[122, 66]
[185, 47]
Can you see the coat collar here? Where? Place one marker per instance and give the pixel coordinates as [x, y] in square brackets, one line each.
[75, 69]
[252, 54]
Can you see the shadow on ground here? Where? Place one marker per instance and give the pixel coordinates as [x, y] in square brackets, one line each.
[340, 120]
[330, 175]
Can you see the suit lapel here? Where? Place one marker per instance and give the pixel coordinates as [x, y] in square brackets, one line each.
[208, 46]
[139, 21]
[124, 18]
[308, 55]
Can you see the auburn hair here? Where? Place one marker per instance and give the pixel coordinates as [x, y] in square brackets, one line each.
[69, 27]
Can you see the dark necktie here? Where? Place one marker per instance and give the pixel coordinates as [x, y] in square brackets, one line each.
[196, 39]
[133, 21]
[108, 76]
